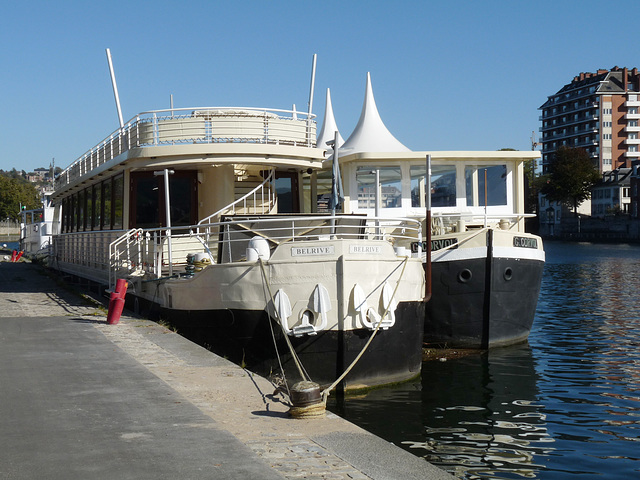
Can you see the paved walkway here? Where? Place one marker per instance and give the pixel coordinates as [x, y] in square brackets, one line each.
[83, 399]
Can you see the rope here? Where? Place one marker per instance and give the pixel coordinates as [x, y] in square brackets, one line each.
[309, 411]
[294, 355]
[464, 240]
[325, 392]
[318, 409]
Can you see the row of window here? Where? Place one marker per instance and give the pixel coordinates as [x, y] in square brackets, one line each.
[443, 186]
[576, 117]
[98, 207]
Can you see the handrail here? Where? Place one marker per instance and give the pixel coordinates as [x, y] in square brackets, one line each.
[144, 252]
[132, 234]
[206, 125]
[243, 199]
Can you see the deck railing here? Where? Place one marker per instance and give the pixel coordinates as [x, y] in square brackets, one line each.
[145, 253]
[196, 126]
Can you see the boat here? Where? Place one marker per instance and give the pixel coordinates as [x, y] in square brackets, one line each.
[486, 269]
[210, 215]
[36, 228]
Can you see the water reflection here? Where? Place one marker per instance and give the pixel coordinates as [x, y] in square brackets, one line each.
[492, 400]
[477, 416]
[568, 406]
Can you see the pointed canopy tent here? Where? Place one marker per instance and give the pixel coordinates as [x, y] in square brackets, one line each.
[329, 127]
[371, 134]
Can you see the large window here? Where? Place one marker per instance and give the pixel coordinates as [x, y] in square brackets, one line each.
[99, 207]
[486, 185]
[147, 207]
[443, 185]
[390, 187]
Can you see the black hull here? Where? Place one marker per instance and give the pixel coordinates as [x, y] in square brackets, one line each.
[491, 304]
[245, 337]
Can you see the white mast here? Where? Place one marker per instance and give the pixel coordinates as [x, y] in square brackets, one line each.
[115, 88]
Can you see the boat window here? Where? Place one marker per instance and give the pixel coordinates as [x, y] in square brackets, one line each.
[390, 187]
[97, 216]
[181, 201]
[147, 207]
[106, 202]
[287, 190]
[443, 185]
[118, 201]
[147, 211]
[89, 195]
[495, 192]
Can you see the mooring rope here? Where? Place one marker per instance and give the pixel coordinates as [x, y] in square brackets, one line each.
[318, 409]
[294, 355]
[325, 392]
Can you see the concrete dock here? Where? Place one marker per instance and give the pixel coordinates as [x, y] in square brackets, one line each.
[83, 399]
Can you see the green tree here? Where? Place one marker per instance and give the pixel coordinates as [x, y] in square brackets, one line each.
[572, 174]
[15, 192]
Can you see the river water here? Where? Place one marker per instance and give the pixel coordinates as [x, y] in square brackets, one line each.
[565, 405]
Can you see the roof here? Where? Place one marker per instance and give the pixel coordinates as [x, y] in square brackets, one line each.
[329, 127]
[371, 134]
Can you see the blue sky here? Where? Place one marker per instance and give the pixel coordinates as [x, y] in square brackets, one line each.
[454, 75]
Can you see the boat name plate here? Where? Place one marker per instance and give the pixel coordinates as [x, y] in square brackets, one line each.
[525, 242]
[308, 251]
[443, 243]
[366, 249]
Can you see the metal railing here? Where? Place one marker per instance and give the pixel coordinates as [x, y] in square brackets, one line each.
[260, 200]
[145, 253]
[196, 126]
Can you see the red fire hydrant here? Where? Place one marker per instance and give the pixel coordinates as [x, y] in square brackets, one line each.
[116, 302]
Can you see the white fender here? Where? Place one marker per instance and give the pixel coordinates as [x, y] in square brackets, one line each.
[390, 304]
[321, 305]
[363, 310]
[282, 306]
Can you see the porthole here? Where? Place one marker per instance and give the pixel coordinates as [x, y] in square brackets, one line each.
[465, 275]
[508, 273]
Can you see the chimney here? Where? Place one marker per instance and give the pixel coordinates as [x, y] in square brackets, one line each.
[625, 79]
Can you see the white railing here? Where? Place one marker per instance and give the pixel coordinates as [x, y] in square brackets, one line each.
[261, 201]
[200, 126]
[145, 253]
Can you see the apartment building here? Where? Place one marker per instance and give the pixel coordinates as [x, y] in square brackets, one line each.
[599, 112]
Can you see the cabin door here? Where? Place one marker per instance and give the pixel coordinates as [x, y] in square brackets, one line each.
[288, 192]
[147, 207]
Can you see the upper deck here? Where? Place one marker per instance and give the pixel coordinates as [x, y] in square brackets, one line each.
[200, 126]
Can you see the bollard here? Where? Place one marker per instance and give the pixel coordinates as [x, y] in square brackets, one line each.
[13, 255]
[116, 302]
[306, 400]
[19, 255]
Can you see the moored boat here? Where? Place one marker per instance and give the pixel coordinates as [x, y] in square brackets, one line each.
[486, 269]
[210, 215]
[36, 228]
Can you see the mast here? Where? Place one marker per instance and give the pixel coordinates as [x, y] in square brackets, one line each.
[115, 88]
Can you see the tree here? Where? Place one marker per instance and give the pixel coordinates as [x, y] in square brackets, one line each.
[572, 174]
[15, 192]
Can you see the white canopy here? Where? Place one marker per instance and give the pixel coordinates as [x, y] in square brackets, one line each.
[370, 134]
[329, 127]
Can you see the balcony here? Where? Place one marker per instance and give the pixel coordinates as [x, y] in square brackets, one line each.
[632, 141]
[632, 129]
[632, 116]
[632, 154]
[632, 103]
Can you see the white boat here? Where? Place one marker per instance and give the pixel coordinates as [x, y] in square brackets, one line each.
[36, 228]
[486, 269]
[210, 214]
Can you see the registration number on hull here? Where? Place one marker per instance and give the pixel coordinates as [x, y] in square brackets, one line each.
[525, 242]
